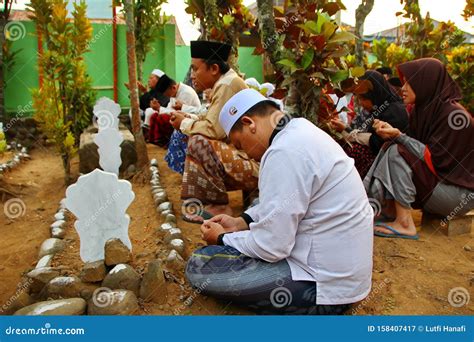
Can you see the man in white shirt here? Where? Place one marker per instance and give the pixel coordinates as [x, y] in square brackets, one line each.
[306, 247]
[178, 93]
[160, 129]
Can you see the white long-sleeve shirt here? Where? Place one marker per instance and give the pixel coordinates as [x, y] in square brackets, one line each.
[186, 95]
[313, 212]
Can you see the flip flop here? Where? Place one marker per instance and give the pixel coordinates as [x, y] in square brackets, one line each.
[205, 215]
[396, 234]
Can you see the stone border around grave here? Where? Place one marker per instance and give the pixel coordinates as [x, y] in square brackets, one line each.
[16, 160]
[173, 235]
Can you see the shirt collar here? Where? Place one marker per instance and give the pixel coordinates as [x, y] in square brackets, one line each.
[279, 127]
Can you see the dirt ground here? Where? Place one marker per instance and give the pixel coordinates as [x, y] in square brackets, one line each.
[409, 278]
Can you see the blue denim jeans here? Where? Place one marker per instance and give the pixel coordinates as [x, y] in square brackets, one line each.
[267, 288]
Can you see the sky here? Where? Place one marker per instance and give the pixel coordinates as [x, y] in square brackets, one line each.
[382, 16]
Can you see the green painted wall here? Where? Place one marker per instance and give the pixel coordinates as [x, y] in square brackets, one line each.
[172, 59]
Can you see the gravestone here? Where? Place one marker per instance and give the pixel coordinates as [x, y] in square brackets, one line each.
[107, 134]
[99, 201]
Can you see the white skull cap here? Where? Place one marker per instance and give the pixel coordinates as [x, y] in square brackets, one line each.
[237, 106]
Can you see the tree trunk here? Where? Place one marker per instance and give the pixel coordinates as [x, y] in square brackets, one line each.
[361, 13]
[66, 158]
[268, 31]
[140, 144]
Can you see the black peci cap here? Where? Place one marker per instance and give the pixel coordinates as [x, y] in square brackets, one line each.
[210, 50]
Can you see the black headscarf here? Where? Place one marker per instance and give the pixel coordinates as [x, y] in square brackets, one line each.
[388, 107]
[440, 122]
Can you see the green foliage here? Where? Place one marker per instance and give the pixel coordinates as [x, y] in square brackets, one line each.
[389, 54]
[461, 67]
[149, 23]
[63, 104]
[313, 51]
[3, 142]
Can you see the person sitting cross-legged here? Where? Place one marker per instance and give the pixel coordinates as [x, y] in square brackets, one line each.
[306, 247]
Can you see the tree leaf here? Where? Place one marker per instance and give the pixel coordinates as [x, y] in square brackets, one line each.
[342, 36]
[289, 63]
[307, 58]
[339, 76]
[357, 71]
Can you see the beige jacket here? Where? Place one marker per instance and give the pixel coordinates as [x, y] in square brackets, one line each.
[208, 124]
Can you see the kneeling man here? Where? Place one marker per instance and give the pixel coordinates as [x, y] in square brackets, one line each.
[306, 247]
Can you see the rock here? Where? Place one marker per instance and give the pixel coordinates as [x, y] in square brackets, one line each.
[154, 162]
[61, 307]
[170, 218]
[41, 276]
[45, 261]
[51, 246]
[122, 276]
[467, 248]
[66, 287]
[175, 262]
[93, 271]
[153, 286]
[62, 204]
[58, 224]
[116, 302]
[177, 245]
[16, 302]
[173, 233]
[165, 213]
[131, 169]
[160, 198]
[59, 216]
[58, 233]
[165, 206]
[155, 182]
[166, 226]
[116, 252]
[89, 157]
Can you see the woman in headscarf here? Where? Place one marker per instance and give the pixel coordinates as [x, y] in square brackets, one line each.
[431, 168]
[379, 102]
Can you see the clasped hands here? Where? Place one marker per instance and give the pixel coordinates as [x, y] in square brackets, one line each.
[220, 224]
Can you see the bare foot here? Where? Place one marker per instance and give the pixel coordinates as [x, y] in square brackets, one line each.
[405, 229]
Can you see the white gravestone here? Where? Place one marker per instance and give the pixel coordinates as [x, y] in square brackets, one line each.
[99, 201]
[107, 112]
[109, 137]
[108, 142]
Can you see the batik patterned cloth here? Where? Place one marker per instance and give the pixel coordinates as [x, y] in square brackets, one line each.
[176, 155]
[213, 167]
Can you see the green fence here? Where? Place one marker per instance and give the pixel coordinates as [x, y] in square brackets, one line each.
[172, 59]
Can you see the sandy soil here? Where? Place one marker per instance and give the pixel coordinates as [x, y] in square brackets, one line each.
[410, 277]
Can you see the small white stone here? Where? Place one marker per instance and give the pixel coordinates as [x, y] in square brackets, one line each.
[59, 216]
[45, 261]
[58, 224]
[177, 245]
